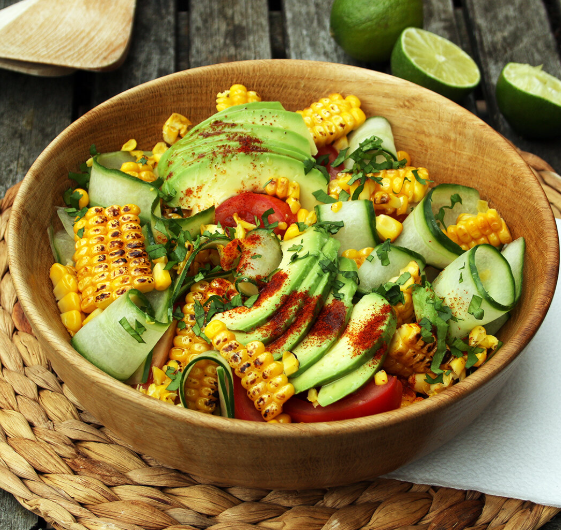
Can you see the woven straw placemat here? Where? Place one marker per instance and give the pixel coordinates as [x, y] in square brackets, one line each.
[61, 463]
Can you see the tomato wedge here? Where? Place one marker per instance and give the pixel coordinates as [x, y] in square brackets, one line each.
[250, 205]
[368, 400]
[333, 154]
[244, 409]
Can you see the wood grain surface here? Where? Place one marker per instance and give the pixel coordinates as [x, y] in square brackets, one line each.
[76, 34]
[316, 455]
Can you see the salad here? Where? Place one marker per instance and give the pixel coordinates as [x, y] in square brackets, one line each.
[281, 266]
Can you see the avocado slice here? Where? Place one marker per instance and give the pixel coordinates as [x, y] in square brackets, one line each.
[212, 180]
[219, 130]
[289, 277]
[297, 300]
[331, 320]
[371, 326]
[299, 329]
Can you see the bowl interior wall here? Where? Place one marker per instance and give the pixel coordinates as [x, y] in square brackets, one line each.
[455, 147]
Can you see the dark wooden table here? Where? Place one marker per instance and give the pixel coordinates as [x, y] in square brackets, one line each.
[173, 35]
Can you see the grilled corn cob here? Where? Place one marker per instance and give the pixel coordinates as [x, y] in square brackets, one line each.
[358, 256]
[263, 377]
[394, 195]
[201, 386]
[332, 118]
[110, 256]
[236, 95]
[65, 288]
[408, 353]
[471, 230]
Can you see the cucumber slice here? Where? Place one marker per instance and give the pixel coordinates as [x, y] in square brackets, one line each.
[66, 219]
[421, 232]
[514, 254]
[111, 186]
[372, 273]
[225, 382]
[359, 230]
[106, 344]
[481, 272]
[190, 224]
[374, 126]
[161, 302]
[493, 327]
[261, 255]
[64, 248]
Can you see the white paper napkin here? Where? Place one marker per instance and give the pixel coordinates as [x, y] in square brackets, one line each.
[514, 448]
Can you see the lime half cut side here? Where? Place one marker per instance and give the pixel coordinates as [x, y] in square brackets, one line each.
[434, 62]
[530, 100]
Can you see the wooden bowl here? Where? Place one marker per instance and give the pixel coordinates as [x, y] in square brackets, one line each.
[452, 143]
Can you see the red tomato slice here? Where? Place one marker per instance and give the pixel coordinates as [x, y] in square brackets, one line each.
[333, 154]
[244, 408]
[250, 205]
[368, 400]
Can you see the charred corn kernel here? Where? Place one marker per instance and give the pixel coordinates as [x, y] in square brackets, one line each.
[388, 227]
[162, 277]
[381, 378]
[69, 302]
[281, 418]
[72, 320]
[176, 125]
[236, 95]
[129, 146]
[336, 206]
[478, 337]
[401, 155]
[84, 199]
[110, 257]
[458, 365]
[358, 256]
[290, 363]
[408, 353]
[471, 230]
[393, 192]
[333, 117]
[92, 315]
[404, 310]
[264, 378]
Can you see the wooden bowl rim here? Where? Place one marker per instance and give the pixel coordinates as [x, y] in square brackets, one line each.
[482, 376]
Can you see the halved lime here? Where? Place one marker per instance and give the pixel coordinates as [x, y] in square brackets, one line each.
[434, 62]
[530, 100]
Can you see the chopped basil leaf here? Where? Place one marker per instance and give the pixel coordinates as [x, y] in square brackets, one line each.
[327, 266]
[198, 277]
[80, 233]
[178, 314]
[199, 321]
[256, 256]
[403, 278]
[391, 292]
[181, 325]
[131, 331]
[93, 150]
[475, 307]
[420, 180]
[329, 227]
[175, 377]
[301, 226]
[426, 330]
[265, 220]
[382, 252]
[295, 248]
[156, 251]
[438, 379]
[370, 258]
[353, 275]
[341, 157]
[83, 179]
[170, 265]
[344, 196]
[321, 196]
[472, 358]
[454, 199]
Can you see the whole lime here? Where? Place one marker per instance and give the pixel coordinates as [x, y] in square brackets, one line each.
[368, 29]
[530, 99]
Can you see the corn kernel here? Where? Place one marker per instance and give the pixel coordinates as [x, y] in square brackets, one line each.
[381, 378]
[388, 227]
[129, 146]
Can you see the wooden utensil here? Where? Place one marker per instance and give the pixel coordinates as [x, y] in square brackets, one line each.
[83, 34]
[452, 143]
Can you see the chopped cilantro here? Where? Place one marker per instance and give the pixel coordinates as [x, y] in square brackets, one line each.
[321, 196]
[327, 266]
[83, 179]
[420, 180]
[156, 251]
[175, 377]
[391, 292]
[475, 307]
[438, 379]
[295, 248]
[329, 227]
[382, 252]
[426, 330]
[301, 226]
[199, 322]
[403, 278]
[344, 196]
[265, 220]
[454, 199]
[134, 333]
[341, 157]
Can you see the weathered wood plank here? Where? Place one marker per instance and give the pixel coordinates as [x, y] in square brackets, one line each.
[517, 31]
[307, 32]
[152, 52]
[33, 111]
[439, 18]
[554, 524]
[276, 27]
[182, 45]
[228, 30]
[13, 516]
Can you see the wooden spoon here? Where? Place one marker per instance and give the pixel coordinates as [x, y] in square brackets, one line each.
[83, 34]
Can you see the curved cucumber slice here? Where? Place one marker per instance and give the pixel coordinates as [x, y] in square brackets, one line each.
[514, 254]
[112, 186]
[374, 126]
[66, 219]
[106, 344]
[372, 273]
[225, 382]
[359, 230]
[483, 273]
[64, 247]
[421, 232]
